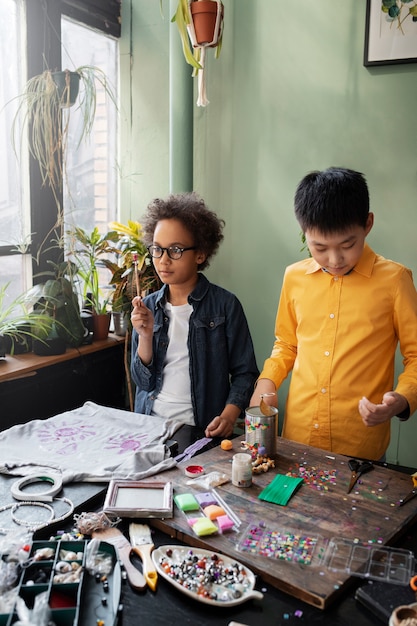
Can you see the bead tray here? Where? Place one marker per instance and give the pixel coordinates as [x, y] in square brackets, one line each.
[367, 560]
[72, 603]
[283, 544]
[338, 554]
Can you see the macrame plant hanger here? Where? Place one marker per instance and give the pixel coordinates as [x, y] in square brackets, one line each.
[202, 99]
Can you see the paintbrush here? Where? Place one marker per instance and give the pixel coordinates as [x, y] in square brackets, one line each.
[123, 548]
[142, 544]
[135, 262]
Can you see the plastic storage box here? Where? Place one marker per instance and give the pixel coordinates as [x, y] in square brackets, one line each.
[81, 603]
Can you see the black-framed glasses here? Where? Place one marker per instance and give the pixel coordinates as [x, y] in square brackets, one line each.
[174, 252]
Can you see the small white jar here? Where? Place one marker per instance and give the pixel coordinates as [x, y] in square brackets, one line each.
[242, 470]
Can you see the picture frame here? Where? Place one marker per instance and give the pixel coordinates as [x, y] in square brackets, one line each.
[390, 40]
[137, 499]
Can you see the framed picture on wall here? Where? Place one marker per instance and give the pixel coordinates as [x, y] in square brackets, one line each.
[390, 32]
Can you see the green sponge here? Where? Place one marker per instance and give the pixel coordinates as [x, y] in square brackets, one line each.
[186, 502]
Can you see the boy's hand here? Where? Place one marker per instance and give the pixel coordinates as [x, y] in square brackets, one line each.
[141, 318]
[392, 404]
[264, 387]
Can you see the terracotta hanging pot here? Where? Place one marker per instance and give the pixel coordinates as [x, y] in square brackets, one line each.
[68, 85]
[207, 22]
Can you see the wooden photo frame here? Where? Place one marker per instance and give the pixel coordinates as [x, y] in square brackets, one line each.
[133, 498]
[390, 32]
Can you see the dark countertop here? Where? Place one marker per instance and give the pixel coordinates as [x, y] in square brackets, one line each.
[167, 605]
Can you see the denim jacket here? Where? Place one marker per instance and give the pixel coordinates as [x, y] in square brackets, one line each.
[223, 367]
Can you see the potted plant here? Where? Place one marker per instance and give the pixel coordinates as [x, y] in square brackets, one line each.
[57, 298]
[200, 25]
[89, 251]
[44, 108]
[132, 272]
[19, 323]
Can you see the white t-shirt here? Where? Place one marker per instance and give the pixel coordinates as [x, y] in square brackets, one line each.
[174, 399]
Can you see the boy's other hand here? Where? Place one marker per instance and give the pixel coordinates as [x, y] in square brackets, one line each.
[392, 404]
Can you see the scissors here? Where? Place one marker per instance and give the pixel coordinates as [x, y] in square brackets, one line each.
[358, 468]
[410, 495]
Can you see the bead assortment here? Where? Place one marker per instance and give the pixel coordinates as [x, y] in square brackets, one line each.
[315, 477]
[206, 575]
[284, 545]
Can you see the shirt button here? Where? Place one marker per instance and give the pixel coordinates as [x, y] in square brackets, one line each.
[316, 426]
[323, 390]
[335, 277]
[326, 353]
[331, 316]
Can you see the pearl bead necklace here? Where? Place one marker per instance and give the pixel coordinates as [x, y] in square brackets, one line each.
[35, 525]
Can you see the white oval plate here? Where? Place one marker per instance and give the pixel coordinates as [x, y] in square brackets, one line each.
[180, 552]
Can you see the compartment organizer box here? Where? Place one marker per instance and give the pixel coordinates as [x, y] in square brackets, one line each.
[79, 600]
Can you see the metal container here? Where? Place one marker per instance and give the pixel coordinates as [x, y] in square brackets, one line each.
[261, 430]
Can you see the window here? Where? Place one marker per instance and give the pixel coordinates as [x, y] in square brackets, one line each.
[65, 34]
[90, 198]
[14, 220]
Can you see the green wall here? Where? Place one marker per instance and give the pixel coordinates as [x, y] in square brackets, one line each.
[288, 94]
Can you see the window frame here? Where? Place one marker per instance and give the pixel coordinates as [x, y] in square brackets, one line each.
[43, 39]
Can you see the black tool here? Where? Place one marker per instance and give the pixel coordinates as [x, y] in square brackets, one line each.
[410, 495]
[358, 468]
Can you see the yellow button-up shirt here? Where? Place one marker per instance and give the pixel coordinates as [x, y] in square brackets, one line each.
[338, 335]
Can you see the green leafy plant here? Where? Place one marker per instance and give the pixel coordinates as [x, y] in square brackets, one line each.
[57, 298]
[133, 271]
[19, 322]
[90, 251]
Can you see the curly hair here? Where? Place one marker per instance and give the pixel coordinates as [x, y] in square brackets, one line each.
[191, 210]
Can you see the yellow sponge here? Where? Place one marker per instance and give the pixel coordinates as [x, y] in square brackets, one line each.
[204, 526]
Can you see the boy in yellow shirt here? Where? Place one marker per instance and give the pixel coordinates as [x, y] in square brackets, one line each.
[340, 317]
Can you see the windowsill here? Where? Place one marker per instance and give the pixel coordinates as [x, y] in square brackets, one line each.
[22, 365]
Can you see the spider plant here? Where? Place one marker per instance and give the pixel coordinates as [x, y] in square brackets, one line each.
[44, 110]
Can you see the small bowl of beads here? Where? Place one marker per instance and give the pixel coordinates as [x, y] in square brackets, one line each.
[206, 576]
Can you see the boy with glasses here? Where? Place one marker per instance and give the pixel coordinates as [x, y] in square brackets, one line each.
[192, 353]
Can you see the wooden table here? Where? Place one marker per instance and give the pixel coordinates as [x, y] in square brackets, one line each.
[321, 507]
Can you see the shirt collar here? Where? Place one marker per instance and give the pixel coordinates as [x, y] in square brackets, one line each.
[364, 266]
[197, 294]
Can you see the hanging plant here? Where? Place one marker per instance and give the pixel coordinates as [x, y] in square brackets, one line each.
[44, 111]
[200, 25]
